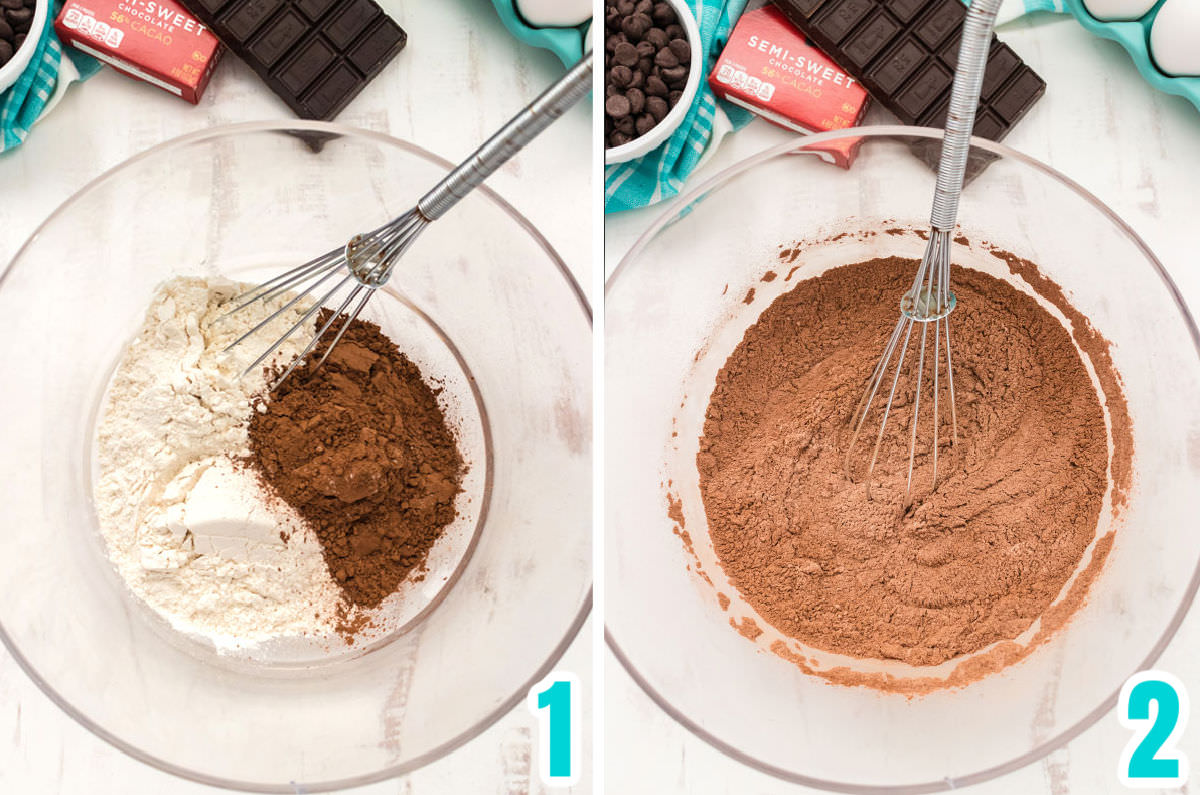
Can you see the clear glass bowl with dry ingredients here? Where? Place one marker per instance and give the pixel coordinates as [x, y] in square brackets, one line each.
[501, 333]
[752, 592]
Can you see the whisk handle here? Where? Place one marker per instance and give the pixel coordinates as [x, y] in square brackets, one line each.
[960, 120]
[510, 139]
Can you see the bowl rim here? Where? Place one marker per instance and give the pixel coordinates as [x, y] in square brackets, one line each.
[672, 212]
[644, 144]
[489, 719]
[23, 55]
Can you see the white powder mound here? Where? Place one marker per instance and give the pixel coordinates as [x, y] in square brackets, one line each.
[188, 528]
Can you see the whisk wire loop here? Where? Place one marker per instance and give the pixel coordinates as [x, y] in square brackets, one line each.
[281, 283]
[369, 259]
[323, 276]
[929, 303]
[930, 299]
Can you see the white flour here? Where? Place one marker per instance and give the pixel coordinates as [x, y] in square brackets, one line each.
[190, 531]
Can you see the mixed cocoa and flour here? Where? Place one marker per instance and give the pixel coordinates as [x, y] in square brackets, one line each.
[974, 562]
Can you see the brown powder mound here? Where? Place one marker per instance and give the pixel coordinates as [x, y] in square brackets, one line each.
[361, 450]
[976, 561]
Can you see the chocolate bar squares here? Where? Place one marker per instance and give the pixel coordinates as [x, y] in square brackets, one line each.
[905, 51]
[316, 55]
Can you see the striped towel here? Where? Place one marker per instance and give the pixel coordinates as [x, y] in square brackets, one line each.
[41, 85]
[660, 175]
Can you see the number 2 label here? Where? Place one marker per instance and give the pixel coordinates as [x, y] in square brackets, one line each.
[555, 702]
[1154, 705]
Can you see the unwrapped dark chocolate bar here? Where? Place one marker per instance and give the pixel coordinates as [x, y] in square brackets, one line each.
[904, 52]
[316, 55]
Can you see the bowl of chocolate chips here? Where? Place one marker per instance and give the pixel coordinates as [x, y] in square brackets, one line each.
[21, 25]
[651, 73]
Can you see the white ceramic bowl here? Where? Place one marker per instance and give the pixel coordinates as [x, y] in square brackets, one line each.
[643, 144]
[24, 54]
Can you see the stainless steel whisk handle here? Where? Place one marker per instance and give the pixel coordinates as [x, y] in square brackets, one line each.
[510, 139]
[960, 120]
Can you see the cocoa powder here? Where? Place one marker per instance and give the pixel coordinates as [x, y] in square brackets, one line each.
[361, 449]
[975, 561]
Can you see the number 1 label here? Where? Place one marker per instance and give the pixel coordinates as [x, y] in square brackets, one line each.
[555, 702]
[1154, 705]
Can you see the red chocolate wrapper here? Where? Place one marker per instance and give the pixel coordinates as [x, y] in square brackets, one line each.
[157, 41]
[769, 68]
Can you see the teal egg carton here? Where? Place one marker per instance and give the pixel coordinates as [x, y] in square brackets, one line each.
[566, 43]
[1135, 38]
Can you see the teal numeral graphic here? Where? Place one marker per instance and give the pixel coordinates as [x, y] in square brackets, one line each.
[557, 699]
[1154, 705]
[555, 703]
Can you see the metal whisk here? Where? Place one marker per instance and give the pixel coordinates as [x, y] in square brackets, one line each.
[366, 262]
[930, 301]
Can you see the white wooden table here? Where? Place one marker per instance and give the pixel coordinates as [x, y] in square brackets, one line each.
[460, 77]
[1138, 151]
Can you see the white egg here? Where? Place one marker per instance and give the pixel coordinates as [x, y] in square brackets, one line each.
[1111, 10]
[555, 13]
[1175, 38]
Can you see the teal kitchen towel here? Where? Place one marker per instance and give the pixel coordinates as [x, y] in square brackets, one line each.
[41, 85]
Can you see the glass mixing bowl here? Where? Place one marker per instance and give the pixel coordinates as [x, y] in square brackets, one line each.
[675, 308]
[481, 302]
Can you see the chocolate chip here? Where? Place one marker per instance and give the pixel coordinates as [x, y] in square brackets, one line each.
[625, 54]
[657, 107]
[655, 86]
[12, 4]
[18, 40]
[643, 7]
[617, 106]
[637, 101]
[681, 50]
[645, 123]
[20, 19]
[646, 49]
[620, 76]
[6, 52]
[676, 31]
[673, 98]
[666, 59]
[657, 37]
[663, 15]
[676, 74]
[6, 31]
[646, 64]
[625, 125]
[626, 7]
[636, 26]
[618, 139]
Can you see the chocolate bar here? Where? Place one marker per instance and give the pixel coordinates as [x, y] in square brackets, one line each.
[768, 67]
[905, 51]
[316, 55]
[156, 41]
